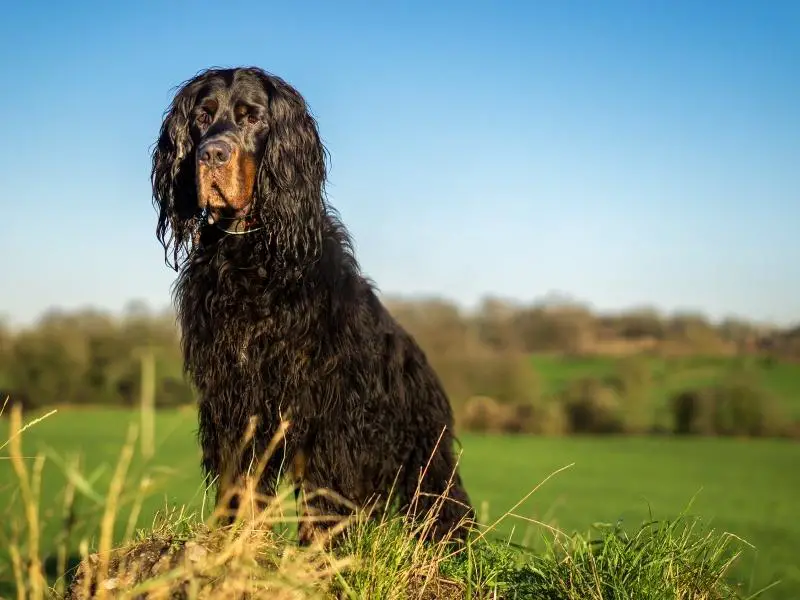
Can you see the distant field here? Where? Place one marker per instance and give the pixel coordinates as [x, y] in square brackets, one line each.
[669, 376]
[749, 488]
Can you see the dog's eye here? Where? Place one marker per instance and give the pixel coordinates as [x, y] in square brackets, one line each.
[246, 114]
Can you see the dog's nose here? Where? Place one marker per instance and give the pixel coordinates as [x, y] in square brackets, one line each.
[215, 153]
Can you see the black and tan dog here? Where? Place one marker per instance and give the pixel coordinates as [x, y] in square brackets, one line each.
[276, 319]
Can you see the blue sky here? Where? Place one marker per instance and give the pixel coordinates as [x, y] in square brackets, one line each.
[624, 153]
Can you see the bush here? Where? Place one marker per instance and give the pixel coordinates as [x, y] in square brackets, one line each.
[486, 415]
[591, 406]
[550, 419]
[791, 430]
[507, 378]
[173, 392]
[737, 406]
[634, 383]
[693, 412]
[11, 398]
[745, 409]
[483, 414]
[526, 418]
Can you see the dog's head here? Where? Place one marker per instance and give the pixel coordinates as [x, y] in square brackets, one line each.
[239, 145]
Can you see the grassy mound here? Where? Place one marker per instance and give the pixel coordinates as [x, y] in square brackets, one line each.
[384, 560]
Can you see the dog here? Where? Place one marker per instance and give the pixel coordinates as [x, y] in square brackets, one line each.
[278, 323]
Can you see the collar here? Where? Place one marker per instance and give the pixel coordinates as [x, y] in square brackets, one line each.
[238, 225]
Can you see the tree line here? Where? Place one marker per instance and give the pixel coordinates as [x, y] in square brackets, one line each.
[482, 356]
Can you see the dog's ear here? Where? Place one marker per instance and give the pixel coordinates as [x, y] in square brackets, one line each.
[173, 176]
[291, 178]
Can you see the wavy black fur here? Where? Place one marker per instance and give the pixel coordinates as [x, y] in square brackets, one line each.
[280, 323]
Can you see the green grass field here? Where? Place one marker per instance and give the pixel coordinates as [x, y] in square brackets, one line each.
[745, 487]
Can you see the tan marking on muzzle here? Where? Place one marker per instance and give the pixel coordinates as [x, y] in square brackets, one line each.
[229, 186]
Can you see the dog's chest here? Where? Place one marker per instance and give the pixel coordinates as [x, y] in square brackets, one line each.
[252, 336]
[244, 332]
[245, 340]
